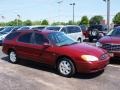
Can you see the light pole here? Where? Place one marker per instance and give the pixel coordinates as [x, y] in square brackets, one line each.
[73, 4]
[108, 13]
[60, 2]
[18, 17]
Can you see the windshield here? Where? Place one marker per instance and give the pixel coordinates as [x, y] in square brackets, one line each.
[6, 30]
[60, 39]
[53, 28]
[114, 32]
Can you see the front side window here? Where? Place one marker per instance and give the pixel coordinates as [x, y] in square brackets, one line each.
[26, 38]
[73, 29]
[40, 39]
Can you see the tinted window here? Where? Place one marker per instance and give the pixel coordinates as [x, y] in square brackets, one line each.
[53, 28]
[73, 29]
[12, 35]
[40, 39]
[26, 38]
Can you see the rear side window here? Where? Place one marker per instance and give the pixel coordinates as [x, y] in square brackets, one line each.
[40, 39]
[12, 35]
[73, 29]
[26, 38]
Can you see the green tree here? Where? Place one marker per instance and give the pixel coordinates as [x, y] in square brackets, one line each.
[14, 23]
[96, 20]
[36, 23]
[27, 22]
[84, 21]
[45, 22]
[70, 22]
[116, 19]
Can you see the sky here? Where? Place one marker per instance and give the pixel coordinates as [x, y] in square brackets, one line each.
[52, 11]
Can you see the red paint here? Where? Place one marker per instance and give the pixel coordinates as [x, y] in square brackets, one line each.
[50, 55]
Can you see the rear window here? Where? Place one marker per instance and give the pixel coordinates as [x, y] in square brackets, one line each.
[12, 35]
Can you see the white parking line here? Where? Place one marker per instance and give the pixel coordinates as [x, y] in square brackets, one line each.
[116, 66]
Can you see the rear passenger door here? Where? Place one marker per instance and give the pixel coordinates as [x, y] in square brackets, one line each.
[24, 46]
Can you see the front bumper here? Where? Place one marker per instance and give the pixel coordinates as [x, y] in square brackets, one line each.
[90, 67]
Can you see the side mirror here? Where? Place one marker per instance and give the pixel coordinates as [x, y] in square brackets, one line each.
[46, 45]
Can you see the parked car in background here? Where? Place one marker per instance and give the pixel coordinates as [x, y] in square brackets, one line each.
[38, 27]
[1, 28]
[84, 30]
[96, 32]
[24, 28]
[72, 31]
[32, 27]
[55, 49]
[5, 32]
[111, 42]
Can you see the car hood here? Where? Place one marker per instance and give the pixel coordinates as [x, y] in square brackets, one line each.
[110, 39]
[83, 49]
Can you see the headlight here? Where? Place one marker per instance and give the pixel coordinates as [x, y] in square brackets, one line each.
[98, 44]
[89, 58]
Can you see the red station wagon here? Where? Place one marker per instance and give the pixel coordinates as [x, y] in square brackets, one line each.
[55, 49]
[111, 42]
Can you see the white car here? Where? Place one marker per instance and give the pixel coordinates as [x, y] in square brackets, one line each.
[32, 27]
[72, 31]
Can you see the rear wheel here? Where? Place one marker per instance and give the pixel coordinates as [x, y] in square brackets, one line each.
[13, 57]
[66, 67]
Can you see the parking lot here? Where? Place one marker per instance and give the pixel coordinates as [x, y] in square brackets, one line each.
[34, 76]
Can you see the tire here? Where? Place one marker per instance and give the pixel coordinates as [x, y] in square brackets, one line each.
[90, 39]
[79, 40]
[13, 57]
[66, 67]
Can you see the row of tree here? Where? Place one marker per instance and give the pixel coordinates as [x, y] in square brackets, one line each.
[84, 21]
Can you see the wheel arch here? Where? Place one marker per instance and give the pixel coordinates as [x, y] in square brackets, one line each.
[64, 56]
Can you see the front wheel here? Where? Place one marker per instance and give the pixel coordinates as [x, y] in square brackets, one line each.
[13, 57]
[66, 67]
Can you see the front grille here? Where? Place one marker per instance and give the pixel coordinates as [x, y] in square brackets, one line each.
[111, 47]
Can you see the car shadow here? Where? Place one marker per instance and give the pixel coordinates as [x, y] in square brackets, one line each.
[115, 60]
[88, 75]
[47, 68]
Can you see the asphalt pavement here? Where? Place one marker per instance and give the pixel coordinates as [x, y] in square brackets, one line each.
[28, 75]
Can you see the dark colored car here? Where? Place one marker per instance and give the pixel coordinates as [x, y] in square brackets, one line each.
[111, 42]
[96, 32]
[55, 49]
[84, 30]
